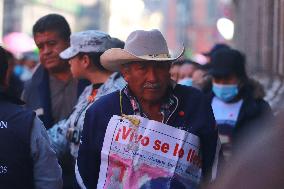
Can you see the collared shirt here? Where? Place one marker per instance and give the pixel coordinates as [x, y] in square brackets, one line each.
[63, 97]
[167, 108]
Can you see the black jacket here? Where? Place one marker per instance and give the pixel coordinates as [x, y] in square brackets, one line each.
[255, 112]
[16, 164]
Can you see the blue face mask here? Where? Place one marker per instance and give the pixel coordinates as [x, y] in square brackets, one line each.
[18, 70]
[225, 93]
[186, 81]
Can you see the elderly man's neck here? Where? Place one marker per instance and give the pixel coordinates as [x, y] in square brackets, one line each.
[152, 109]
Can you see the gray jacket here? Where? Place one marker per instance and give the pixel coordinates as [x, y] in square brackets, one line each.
[65, 135]
[47, 172]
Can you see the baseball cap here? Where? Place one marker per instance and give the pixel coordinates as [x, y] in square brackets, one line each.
[216, 48]
[87, 41]
[226, 62]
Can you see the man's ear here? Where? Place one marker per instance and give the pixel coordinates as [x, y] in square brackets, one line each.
[86, 61]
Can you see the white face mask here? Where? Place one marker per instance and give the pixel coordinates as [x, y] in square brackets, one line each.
[186, 81]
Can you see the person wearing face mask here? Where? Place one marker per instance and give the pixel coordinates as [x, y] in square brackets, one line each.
[186, 71]
[174, 70]
[237, 100]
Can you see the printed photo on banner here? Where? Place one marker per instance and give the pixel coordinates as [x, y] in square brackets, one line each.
[148, 153]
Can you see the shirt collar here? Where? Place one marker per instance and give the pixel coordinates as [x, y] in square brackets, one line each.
[167, 108]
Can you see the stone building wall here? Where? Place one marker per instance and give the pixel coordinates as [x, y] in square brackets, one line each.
[260, 35]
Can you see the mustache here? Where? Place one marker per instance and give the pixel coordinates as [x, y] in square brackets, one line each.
[151, 85]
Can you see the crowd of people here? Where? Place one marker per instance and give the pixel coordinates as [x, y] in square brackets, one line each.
[54, 136]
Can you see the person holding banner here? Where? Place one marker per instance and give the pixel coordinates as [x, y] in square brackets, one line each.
[153, 132]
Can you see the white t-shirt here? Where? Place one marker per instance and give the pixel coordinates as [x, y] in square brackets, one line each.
[226, 116]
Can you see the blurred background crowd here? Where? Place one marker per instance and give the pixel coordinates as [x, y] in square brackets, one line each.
[252, 27]
[233, 51]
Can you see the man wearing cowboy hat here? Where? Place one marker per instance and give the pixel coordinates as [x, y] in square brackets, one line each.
[144, 63]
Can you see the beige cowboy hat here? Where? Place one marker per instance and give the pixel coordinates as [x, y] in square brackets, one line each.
[139, 46]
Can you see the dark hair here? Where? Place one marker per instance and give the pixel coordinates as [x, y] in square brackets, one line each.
[53, 22]
[181, 62]
[4, 65]
[191, 62]
[177, 63]
[117, 43]
[9, 55]
[95, 58]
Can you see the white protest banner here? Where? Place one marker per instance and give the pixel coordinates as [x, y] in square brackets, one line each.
[148, 153]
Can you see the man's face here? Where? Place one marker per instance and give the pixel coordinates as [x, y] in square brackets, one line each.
[50, 45]
[147, 80]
